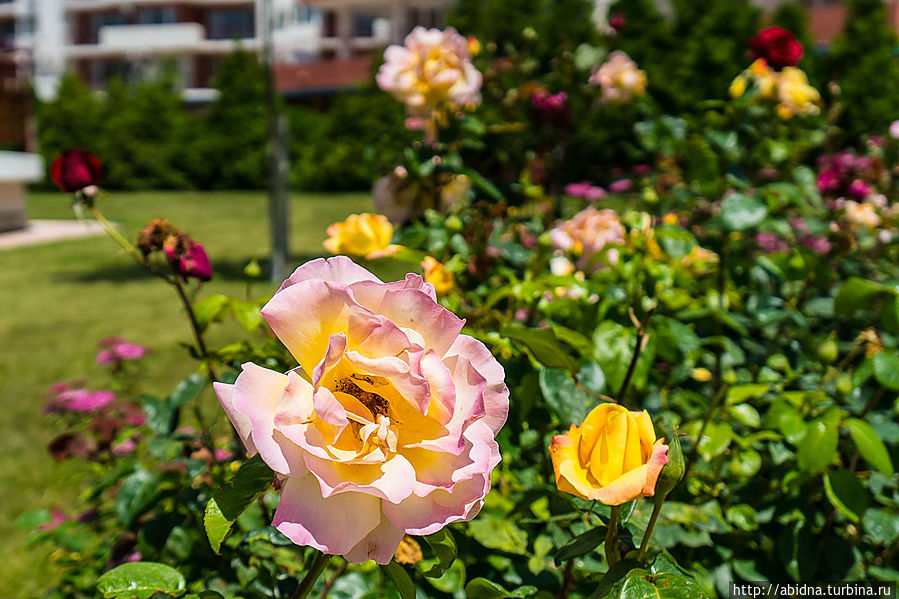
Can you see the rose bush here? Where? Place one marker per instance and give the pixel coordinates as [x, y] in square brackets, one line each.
[388, 428]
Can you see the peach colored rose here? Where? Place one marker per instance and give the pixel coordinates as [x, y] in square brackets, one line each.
[386, 428]
[862, 214]
[432, 71]
[619, 78]
[588, 232]
[613, 457]
[437, 275]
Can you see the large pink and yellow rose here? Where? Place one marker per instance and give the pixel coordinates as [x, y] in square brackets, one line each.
[387, 427]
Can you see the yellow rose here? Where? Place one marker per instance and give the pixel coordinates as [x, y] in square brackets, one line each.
[738, 86]
[366, 235]
[437, 275]
[613, 457]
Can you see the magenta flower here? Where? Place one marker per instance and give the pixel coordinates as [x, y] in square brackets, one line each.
[56, 519]
[118, 350]
[771, 243]
[124, 448]
[80, 400]
[188, 258]
[641, 170]
[859, 189]
[551, 108]
[585, 190]
[621, 186]
[817, 243]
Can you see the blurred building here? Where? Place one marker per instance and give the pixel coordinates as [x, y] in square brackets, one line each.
[318, 44]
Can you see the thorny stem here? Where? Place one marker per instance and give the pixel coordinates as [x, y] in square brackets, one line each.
[318, 566]
[638, 348]
[611, 542]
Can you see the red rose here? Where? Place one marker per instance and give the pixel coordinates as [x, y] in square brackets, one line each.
[75, 169]
[777, 46]
[617, 21]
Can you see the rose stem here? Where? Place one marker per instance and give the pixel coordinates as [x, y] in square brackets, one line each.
[318, 566]
[656, 510]
[611, 543]
[333, 579]
[638, 348]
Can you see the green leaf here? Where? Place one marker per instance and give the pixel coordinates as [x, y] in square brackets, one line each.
[135, 495]
[401, 579]
[612, 576]
[141, 579]
[740, 212]
[846, 493]
[481, 588]
[252, 480]
[715, 440]
[869, 445]
[565, 399]
[543, 345]
[857, 293]
[32, 519]
[211, 309]
[452, 580]
[886, 368]
[499, 533]
[740, 393]
[881, 526]
[581, 545]
[187, 390]
[614, 347]
[818, 447]
[248, 314]
[443, 545]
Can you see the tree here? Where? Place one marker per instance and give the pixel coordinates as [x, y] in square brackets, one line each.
[864, 63]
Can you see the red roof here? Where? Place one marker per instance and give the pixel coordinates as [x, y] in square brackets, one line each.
[323, 74]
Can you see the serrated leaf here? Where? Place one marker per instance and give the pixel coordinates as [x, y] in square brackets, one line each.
[136, 495]
[499, 533]
[252, 480]
[581, 544]
[869, 445]
[565, 399]
[401, 579]
[141, 579]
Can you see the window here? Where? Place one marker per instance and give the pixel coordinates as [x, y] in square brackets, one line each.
[363, 25]
[231, 23]
[158, 15]
[102, 20]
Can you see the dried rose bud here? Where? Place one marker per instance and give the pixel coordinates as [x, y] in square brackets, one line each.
[153, 235]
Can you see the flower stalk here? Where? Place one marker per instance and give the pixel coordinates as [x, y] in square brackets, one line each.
[318, 566]
[611, 542]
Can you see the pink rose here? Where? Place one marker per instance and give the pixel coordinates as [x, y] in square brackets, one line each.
[388, 425]
[621, 185]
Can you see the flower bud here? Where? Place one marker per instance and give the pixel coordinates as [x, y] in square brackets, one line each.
[153, 235]
[673, 472]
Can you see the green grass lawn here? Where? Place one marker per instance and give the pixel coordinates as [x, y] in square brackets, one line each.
[57, 300]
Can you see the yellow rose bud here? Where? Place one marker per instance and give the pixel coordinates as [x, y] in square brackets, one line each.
[366, 235]
[701, 375]
[670, 219]
[613, 457]
[437, 275]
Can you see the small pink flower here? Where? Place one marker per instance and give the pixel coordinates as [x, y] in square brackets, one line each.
[621, 186]
[771, 243]
[222, 455]
[829, 181]
[59, 387]
[81, 400]
[551, 108]
[522, 314]
[817, 243]
[799, 225]
[124, 448]
[894, 129]
[641, 170]
[57, 518]
[118, 350]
